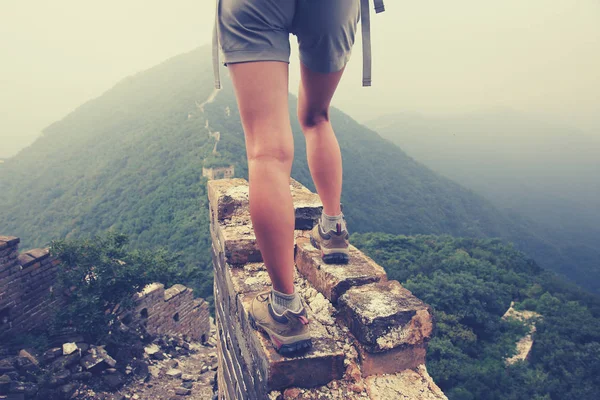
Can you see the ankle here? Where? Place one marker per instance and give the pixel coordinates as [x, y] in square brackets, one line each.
[330, 222]
[284, 301]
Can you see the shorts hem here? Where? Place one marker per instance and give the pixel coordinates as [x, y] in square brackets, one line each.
[319, 65]
[240, 56]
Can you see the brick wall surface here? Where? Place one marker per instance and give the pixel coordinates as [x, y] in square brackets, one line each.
[363, 326]
[26, 284]
[173, 311]
[27, 280]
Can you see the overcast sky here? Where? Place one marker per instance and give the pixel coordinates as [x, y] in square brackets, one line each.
[432, 57]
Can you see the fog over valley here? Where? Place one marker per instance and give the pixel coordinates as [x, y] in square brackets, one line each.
[536, 57]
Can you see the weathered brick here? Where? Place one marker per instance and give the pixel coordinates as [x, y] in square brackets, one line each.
[174, 291]
[223, 374]
[236, 240]
[390, 361]
[334, 279]
[33, 266]
[9, 240]
[10, 271]
[307, 206]
[228, 197]
[6, 252]
[385, 315]
[252, 277]
[25, 259]
[223, 281]
[43, 269]
[410, 384]
[39, 254]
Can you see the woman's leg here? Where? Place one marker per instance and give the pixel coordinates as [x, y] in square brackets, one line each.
[322, 148]
[262, 95]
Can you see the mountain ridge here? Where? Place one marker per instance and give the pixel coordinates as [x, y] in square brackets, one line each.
[131, 160]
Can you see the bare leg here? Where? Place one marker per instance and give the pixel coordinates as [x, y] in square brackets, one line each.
[262, 95]
[322, 148]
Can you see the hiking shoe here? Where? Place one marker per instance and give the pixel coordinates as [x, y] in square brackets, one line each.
[333, 244]
[288, 332]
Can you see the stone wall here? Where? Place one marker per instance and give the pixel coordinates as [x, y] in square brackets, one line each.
[26, 283]
[173, 311]
[369, 333]
[26, 302]
[525, 343]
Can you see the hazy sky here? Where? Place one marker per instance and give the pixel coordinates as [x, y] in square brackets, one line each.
[432, 57]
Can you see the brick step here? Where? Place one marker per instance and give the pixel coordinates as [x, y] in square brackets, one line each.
[334, 279]
[231, 226]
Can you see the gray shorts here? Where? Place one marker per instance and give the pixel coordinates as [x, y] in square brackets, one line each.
[258, 30]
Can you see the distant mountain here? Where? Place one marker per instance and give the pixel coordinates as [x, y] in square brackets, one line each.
[542, 170]
[131, 160]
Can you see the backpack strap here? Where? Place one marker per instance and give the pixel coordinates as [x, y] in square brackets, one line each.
[365, 19]
[366, 40]
[215, 49]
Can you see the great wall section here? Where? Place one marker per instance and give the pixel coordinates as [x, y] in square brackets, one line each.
[369, 333]
[210, 171]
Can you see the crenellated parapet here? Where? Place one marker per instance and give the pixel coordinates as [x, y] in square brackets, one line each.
[173, 311]
[369, 333]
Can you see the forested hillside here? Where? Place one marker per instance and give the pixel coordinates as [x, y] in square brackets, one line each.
[470, 284]
[131, 160]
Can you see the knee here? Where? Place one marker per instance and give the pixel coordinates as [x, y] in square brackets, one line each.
[283, 154]
[313, 118]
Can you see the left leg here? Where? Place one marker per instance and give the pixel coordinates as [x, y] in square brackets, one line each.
[262, 94]
[255, 39]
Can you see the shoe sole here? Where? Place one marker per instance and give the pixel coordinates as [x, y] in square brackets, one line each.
[335, 257]
[280, 347]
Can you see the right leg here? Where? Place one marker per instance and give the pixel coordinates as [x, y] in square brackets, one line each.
[322, 148]
[325, 31]
[324, 161]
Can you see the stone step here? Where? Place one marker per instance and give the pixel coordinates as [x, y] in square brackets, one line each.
[334, 279]
[231, 225]
[390, 325]
[229, 197]
[385, 315]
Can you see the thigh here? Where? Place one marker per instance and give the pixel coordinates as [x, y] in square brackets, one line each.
[261, 90]
[326, 32]
[255, 30]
